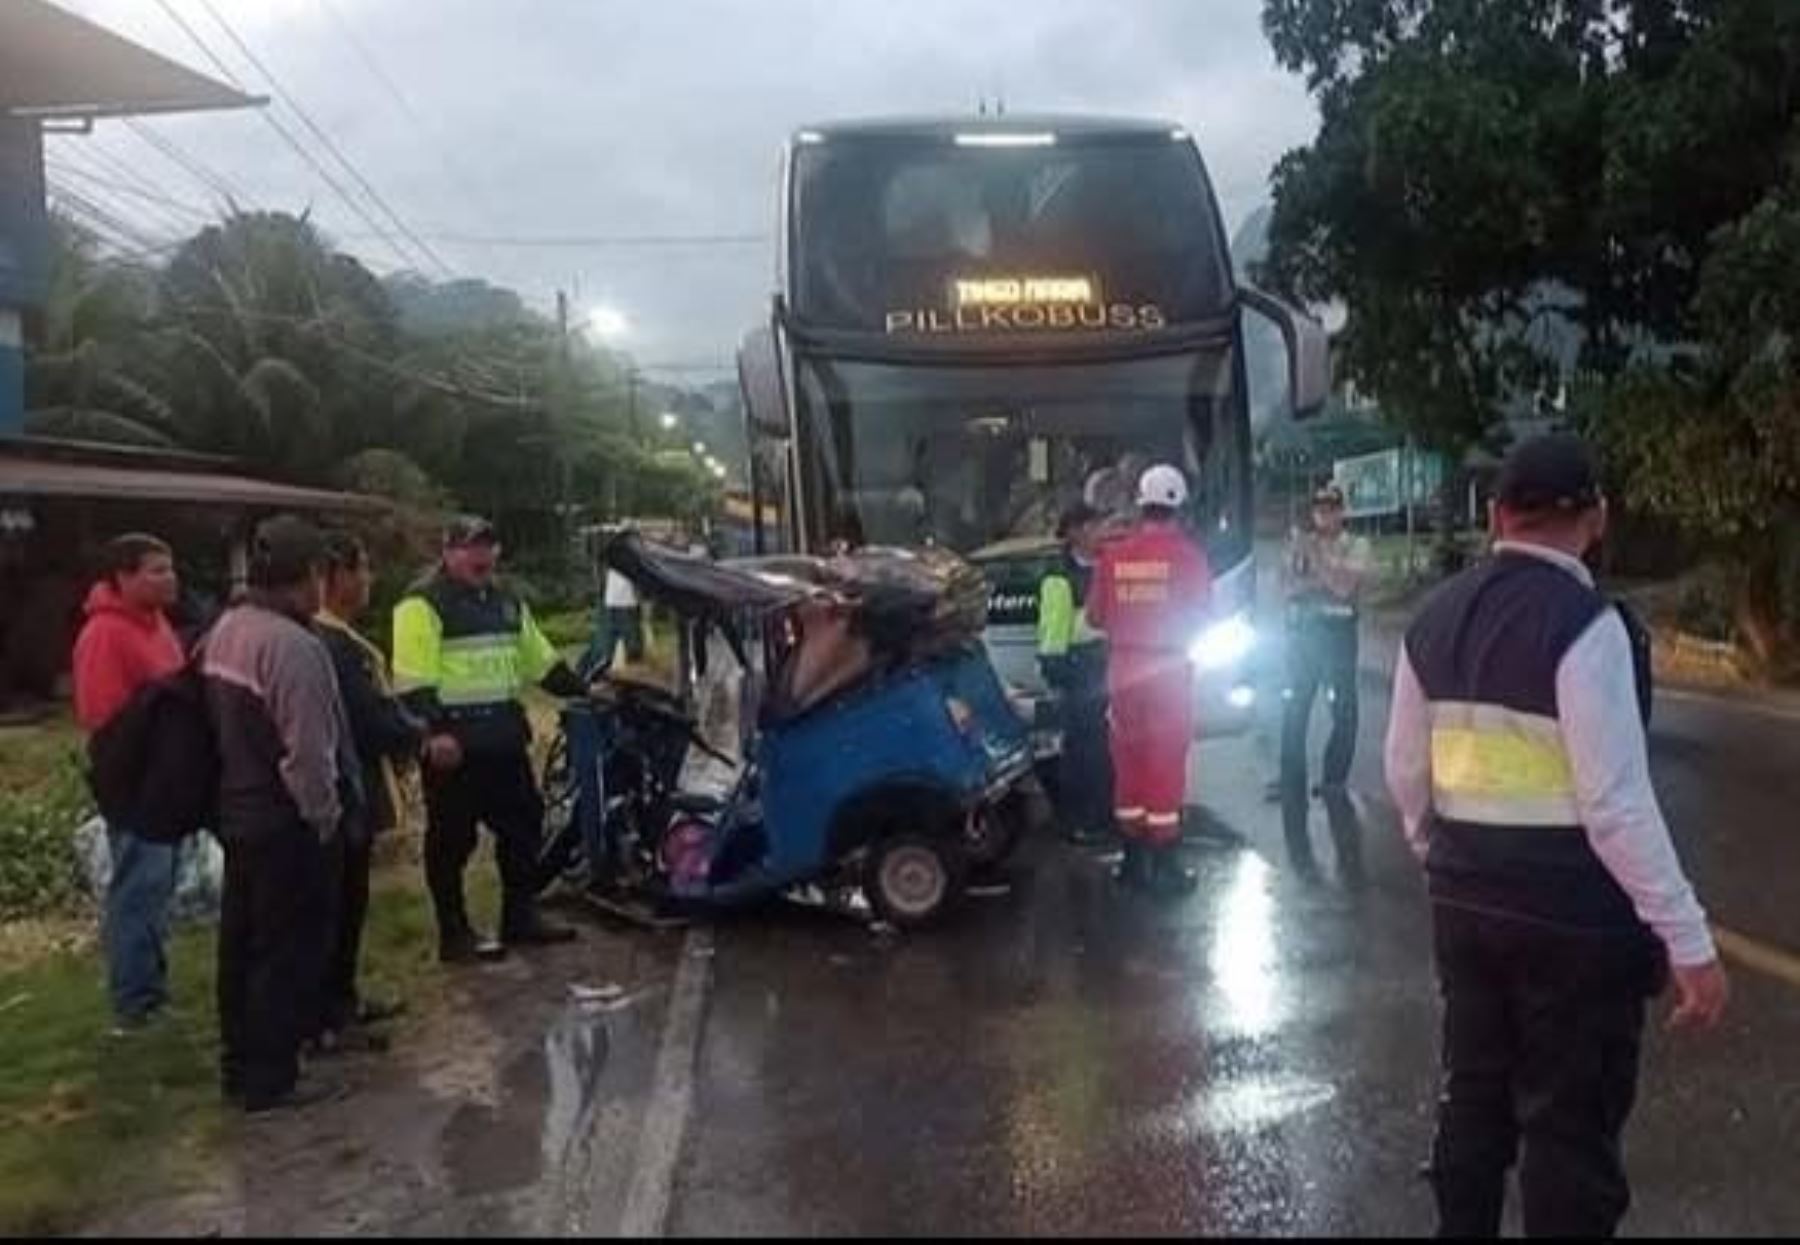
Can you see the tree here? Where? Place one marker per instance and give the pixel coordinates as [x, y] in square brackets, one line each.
[89, 378]
[259, 341]
[1504, 193]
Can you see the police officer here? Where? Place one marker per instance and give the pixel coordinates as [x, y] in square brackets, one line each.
[1072, 657]
[1324, 573]
[1152, 588]
[464, 648]
[1516, 758]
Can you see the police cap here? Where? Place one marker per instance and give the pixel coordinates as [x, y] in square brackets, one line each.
[469, 529]
[1554, 472]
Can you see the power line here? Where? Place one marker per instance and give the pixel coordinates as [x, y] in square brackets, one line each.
[62, 166]
[287, 136]
[600, 241]
[93, 152]
[214, 182]
[324, 139]
[100, 220]
[367, 56]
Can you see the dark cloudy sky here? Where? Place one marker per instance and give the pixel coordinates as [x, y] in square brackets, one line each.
[538, 119]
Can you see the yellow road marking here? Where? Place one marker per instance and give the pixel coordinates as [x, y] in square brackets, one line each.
[1773, 961]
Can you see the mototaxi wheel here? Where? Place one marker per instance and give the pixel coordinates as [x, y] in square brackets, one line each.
[994, 830]
[913, 879]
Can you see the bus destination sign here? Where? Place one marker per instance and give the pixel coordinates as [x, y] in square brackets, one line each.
[1026, 304]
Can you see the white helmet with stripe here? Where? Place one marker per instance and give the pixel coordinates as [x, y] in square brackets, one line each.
[1162, 485]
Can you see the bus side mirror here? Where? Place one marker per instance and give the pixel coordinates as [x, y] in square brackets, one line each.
[1308, 350]
[759, 376]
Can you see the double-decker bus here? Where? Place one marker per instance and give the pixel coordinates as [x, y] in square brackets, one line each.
[983, 321]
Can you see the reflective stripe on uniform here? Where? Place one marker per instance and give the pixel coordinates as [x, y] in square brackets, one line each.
[1496, 766]
[1164, 819]
[480, 670]
[418, 636]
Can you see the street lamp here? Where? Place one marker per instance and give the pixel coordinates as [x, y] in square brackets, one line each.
[700, 448]
[669, 420]
[608, 322]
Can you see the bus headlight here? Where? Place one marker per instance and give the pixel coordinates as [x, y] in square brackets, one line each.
[1223, 644]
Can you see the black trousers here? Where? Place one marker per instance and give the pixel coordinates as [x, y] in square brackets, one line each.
[1321, 653]
[1542, 1029]
[1084, 771]
[498, 791]
[349, 861]
[274, 932]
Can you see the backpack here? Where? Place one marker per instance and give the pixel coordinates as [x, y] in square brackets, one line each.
[154, 767]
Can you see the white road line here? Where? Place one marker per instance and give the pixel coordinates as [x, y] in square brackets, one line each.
[652, 1188]
[1729, 704]
[1764, 957]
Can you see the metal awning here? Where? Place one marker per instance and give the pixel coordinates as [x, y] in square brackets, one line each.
[54, 65]
[28, 478]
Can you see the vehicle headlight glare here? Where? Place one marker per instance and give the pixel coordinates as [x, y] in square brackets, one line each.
[1223, 644]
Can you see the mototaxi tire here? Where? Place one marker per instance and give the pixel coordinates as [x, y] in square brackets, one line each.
[912, 879]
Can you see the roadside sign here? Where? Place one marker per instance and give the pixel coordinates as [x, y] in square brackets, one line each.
[1385, 483]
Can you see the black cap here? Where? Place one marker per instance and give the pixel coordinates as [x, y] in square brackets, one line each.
[1554, 472]
[1077, 514]
[286, 550]
[1328, 495]
[469, 529]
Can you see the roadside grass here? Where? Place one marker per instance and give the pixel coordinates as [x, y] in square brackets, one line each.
[88, 1120]
[30, 754]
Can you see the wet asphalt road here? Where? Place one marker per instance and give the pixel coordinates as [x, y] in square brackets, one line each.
[1258, 1058]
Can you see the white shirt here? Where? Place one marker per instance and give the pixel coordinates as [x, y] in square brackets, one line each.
[1596, 695]
[620, 593]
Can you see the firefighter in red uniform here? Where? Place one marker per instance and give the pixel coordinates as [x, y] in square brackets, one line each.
[1150, 595]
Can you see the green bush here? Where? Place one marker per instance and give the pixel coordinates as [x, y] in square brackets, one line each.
[1704, 609]
[39, 874]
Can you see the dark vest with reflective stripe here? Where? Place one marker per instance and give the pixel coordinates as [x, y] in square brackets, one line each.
[467, 613]
[1504, 836]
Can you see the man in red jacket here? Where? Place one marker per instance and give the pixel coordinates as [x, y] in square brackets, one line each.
[1150, 595]
[125, 643]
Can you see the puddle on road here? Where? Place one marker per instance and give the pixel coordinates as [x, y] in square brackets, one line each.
[1259, 1102]
[547, 1096]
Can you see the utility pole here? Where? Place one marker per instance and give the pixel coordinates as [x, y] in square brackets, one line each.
[559, 420]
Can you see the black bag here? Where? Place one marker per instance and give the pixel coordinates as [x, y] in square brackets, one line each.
[154, 767]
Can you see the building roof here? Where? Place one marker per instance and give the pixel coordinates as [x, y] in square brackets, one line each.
[54, 64]
[51, 470]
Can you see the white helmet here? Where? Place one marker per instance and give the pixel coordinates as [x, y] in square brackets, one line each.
[1162, 485]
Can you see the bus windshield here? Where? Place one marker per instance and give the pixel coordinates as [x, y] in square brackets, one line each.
[884, 229]
[970, 457]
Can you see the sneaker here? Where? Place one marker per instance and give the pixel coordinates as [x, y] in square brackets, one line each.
[468, 948]
[135, 1023]
[298, 1098]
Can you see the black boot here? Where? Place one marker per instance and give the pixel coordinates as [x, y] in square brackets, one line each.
[1169, 876]
[458, 943]
[1134, 870]
[521, 926]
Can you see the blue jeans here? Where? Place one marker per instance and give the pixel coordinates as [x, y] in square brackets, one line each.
[137, 923]
[613, 623]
